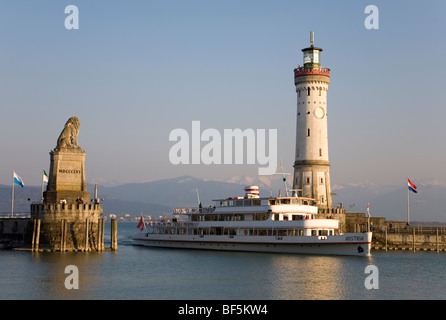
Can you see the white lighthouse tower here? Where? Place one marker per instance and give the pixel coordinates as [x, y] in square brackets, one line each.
[311, 167]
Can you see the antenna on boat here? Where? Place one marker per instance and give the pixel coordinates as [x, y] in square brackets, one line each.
[198, 199]
[283, 178]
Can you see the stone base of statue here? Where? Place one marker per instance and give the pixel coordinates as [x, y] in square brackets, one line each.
[67, 220]
[68, 227]
[66, 180]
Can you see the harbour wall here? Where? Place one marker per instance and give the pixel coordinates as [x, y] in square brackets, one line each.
[411, 238]
[14, 230]
[25, 234]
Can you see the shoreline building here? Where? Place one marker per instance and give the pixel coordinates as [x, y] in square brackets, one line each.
[311, 166]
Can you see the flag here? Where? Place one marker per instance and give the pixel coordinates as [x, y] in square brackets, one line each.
[18, 180]
[411, 186]
[45, 176]
[141, 225]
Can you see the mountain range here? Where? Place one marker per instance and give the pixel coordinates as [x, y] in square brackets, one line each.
[160, 197]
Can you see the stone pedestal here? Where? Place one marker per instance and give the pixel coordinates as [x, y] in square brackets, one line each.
[66, 179]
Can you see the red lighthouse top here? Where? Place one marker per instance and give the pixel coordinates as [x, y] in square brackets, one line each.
[303, 71]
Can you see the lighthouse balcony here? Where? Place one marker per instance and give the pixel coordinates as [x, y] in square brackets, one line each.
[303, 71]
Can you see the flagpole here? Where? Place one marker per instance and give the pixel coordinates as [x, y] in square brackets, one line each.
[407, 204]
[42, 183]
[368, 217]
[12, 198]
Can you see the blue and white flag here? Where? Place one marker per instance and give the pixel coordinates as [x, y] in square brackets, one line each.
[18, 180]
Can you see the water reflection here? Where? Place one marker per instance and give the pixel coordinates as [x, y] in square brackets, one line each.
[48, 280]
[318, 277]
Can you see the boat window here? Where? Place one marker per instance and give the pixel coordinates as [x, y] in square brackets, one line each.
[276, 217]
[256, 202]
[239, 203]
[261, 217]
[323, 232]
[247, 202]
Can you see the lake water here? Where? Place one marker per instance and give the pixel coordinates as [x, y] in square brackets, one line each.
[174, 274]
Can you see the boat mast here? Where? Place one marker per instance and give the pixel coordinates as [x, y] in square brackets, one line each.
[198, 199]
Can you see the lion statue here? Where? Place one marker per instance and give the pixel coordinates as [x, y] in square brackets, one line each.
[68, 136]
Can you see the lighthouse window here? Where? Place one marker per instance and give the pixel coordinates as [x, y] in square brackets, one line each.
[308, 91]
[308, 133]
[320, 152]
[320, 91]
[308, 180]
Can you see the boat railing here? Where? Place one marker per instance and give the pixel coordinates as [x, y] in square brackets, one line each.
[171, 224]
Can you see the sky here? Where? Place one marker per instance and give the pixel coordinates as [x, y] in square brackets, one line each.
[136, 70]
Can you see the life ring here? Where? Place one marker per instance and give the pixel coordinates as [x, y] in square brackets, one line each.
[246, 232]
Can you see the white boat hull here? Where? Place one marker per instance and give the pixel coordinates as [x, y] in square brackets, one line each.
[351, 244]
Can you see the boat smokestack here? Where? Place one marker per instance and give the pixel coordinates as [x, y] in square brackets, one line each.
[252, 192]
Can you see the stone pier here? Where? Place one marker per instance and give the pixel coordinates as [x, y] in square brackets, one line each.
[68, 227]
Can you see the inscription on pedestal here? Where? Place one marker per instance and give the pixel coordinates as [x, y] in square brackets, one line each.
[69, 171]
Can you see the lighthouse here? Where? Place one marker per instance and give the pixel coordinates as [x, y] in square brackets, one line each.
[311, 166]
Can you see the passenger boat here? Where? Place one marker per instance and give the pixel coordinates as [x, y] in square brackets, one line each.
[252, 223]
